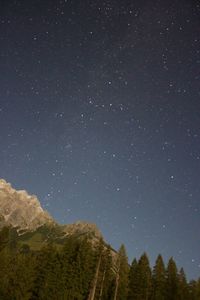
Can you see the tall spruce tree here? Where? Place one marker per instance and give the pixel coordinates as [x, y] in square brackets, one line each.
[133, 281]
[183, 292]
[159, 280]
[144, 278]
[172, 280]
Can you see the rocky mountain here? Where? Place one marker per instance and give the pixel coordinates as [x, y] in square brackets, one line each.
[83, 228]
[24, 212]
[21, 210]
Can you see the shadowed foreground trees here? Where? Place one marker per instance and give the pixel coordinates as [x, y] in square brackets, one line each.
[159, 279]
[81, 271]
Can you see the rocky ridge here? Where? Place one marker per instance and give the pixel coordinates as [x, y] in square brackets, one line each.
[83, 228]
[21, 210]
[24, 212]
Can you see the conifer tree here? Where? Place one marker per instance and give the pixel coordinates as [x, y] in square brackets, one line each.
[78, 268]
[198, 289]
[144, 278]
[85, 266]
[25, 276]
[159, 280]
[70, 268]
[172, 280]
[44, 265]
[18, 281]
[192, 288]
[133, 281]
[183, 293]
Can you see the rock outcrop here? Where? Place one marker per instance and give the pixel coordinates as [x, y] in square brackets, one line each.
[83, 228]
[21, 210]
[24, 212]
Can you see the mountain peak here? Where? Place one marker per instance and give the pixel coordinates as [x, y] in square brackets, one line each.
[21, 210]
[24, 212]
[4, 184]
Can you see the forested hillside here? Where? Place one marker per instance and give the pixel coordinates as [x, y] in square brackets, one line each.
[80, 270]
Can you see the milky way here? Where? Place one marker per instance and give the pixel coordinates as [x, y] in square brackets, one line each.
[100, 117]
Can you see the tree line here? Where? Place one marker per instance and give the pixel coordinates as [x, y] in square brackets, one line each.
[80, 270]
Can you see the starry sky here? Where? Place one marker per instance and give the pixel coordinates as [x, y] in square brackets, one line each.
[100, 117]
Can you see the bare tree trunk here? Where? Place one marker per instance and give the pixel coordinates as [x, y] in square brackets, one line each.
[102, 283]
[117, 285]
[94, 285]
[117, 278]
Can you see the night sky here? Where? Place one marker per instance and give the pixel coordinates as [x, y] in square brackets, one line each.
[100, 117]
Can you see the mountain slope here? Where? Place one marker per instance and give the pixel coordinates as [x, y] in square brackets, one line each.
[21, 210]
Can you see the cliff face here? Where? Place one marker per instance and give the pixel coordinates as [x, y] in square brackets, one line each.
[24, 212]
[83, 228]
[21, 210]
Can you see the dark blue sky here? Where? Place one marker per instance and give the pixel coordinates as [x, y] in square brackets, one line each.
[100, 117]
